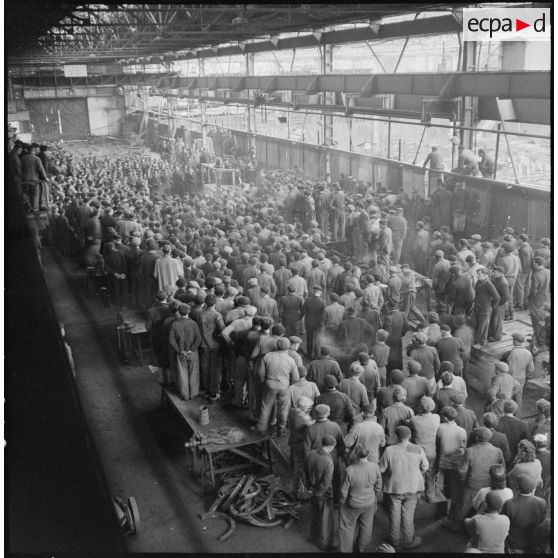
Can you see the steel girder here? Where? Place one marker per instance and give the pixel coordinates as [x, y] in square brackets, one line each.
[505, 85]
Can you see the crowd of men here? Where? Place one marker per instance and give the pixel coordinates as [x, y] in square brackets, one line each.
[244, 297]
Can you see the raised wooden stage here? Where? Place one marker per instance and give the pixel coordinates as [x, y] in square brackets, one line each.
[480, 370]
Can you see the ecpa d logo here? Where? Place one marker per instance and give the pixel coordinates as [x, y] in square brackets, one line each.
[506, 24]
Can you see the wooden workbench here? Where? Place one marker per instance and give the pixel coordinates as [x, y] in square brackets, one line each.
[212, 453]
[128, 337]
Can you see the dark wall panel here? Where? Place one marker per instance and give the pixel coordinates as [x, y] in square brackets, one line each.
[44, 115]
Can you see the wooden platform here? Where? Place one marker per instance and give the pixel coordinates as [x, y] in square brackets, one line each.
[481, 365]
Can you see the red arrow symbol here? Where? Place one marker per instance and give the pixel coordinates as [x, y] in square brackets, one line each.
[519, 25]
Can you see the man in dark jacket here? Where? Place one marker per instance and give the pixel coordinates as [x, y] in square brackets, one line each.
[116, 267]
[211, 324]
[32, 173]
[146, 267]
[354, 331]
[486, 299]
[290, 311]
[324, 366]
[156, 316]
[451, 349]
[498, 439]
[475, 469]
[341, 409]
[497, 317]
[459, 291]
[15, 171]
[318, 476]
[313, 440]
[396, 325]
[312, 310]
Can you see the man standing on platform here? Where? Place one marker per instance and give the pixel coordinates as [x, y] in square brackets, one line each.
[403, 466]
[497, 318]
[184, 341]
[211, 324]
[486, 299]
[520, 361]
[278, 371]
[511, 265]
[398, 225]
[409, 294]
[523, 282]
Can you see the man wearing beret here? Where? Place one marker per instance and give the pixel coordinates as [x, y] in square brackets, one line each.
[474, 471]
[403, 466]
[318, 477]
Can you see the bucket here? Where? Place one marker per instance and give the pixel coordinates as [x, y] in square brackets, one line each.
[204, 414]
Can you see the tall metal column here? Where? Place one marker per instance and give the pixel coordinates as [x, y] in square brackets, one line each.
[469, 107]
[327, 119]
[250, 111]
[201, 62]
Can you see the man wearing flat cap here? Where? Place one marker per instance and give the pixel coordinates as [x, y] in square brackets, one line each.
[313, 440]
[403, 466]
[504, 388]
[475, 469]
[362, 483]
[318, 477]
[520, 362]
[514, 428]
[320, 368]
[495, 327]
[290, 310]
[341, 408]
[312, 311]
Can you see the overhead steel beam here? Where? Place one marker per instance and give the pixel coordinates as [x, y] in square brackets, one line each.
[505, 85]
[424, 26]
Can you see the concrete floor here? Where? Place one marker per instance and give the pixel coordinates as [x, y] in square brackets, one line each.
[141, 446]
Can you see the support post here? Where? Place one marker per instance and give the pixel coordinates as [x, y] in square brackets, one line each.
[469, 106]
[496, 152]
[250, 111]
[201, 62]
[327, 119]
